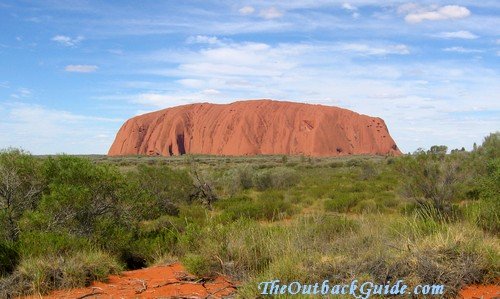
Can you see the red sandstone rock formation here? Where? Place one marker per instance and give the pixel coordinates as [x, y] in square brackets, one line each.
[252, 128]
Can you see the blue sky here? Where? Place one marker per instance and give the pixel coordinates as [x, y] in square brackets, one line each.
[72, 71]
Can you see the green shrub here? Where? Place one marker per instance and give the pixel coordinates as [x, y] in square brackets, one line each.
[369, 170]
[262, 180]
[159, 190]
[21, 186]
[283, 177]
[341, 203]
[270, 205]
[278, 178]
[238, 179]
[336, 164]
[428, 178]
[198, 264]
[9, 257]
[153, 246]
[80, 195]
[193, 213]
[355, 162]
[485, 214]
[39, 243]
[244, 207]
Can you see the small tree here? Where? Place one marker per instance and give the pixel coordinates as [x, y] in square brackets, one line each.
[431, 178]
[21, 185]
[80, 195]
[159, 189]
[438, 150]
[490, 146]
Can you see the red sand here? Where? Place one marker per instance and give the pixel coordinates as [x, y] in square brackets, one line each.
[155, 282]
[252, 128]
[481, 292]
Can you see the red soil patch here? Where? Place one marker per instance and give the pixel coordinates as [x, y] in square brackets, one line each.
[170, 281]
[480, 292]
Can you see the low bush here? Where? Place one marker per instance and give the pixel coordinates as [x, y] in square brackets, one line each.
[342, 203]
[270, 205]
[273, 206]
[278, 178]
[369, 170]
[283, 177]
[159, 190]
[431, 178]
[199, 265]
[38, 243]
[336, 164]
[9, 257]
[242, 207]
[40, 275]
[240, 178]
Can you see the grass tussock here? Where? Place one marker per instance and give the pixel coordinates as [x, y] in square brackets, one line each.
[40, 275]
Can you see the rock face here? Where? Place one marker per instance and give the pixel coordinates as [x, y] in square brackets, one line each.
[252, 128]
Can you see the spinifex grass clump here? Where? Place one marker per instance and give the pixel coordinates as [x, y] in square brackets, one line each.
[39, 275]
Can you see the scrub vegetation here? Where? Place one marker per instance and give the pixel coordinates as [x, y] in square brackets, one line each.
[429, 217]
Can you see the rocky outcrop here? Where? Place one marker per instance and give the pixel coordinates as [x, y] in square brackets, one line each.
[252, 128]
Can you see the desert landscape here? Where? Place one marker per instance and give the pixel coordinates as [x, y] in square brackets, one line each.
[232, 221]
[249, 149]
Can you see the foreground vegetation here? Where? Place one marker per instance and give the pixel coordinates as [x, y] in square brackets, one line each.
[429, 217]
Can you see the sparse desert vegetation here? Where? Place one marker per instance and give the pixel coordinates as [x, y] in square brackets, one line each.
[428, 217]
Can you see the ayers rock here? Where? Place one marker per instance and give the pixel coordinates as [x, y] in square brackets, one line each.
[254, 127]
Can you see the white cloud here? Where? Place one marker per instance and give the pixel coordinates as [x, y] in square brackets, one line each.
[246, 10]
[203, 39]
[353, 9]
[191, 83]
[416, 14]
[349, 6]
[21, 93]
[210, 92]
[271, 13]
[456, 34]
[163, 100]
[37, 129]
[81, 68]
[406, 95]
[367, 49]
[462, 50]
[407, 8]
[68, 41]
